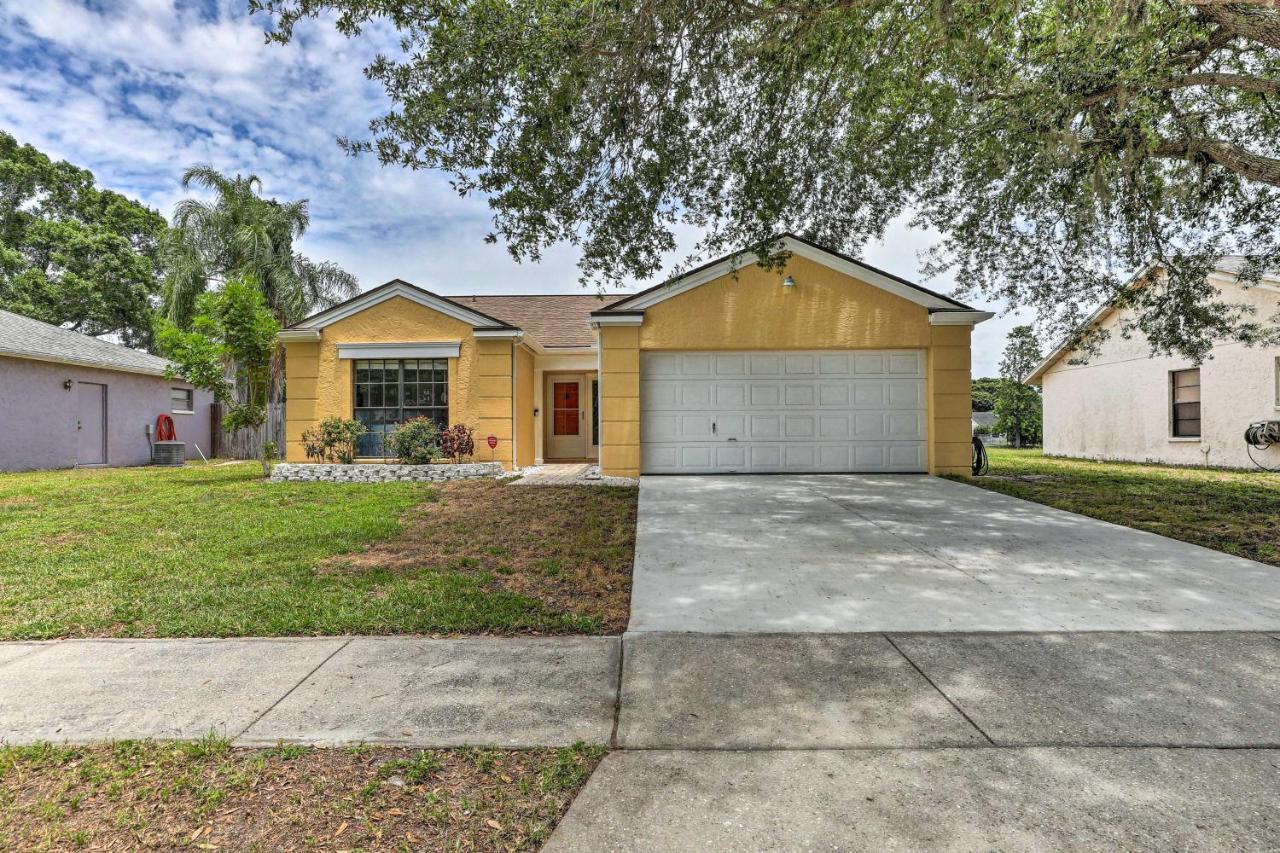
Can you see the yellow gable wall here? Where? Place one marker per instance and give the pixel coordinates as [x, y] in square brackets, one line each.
[751, 309]
[319, 384]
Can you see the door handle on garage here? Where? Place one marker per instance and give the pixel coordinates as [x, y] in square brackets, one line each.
[732, 439]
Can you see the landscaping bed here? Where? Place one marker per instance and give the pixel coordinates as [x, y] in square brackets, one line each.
[377, 472]
[1231, 511]
[206, 795]
[217, 551]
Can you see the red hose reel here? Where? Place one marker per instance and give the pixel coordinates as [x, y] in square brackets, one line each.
[165, 430]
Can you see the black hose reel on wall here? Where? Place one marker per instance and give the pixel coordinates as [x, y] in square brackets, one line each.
[1261, 436]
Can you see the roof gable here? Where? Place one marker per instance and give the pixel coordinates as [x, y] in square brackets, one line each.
[1223, 274]
[390, 290]
[805, 249]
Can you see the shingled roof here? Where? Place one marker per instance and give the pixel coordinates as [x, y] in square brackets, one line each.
[23, 337]
[554, 320]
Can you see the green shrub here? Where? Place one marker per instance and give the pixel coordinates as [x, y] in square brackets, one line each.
[333, 441]
[415, 442]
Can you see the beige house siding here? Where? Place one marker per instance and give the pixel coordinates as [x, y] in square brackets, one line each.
[750, 309]
[1118, 405]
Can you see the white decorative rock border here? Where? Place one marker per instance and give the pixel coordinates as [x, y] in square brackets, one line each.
[296, 472]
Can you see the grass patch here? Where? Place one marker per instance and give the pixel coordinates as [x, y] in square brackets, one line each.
[135, 794]
[1231, 511]
[569, 547]
[217, 551]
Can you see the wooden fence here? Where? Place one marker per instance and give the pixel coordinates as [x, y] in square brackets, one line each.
[244, 444]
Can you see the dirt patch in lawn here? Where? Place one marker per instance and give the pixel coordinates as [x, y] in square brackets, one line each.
[569, 547]
[205, 795]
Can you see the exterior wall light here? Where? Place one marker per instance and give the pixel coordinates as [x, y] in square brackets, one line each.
[66, 385]
[788, 282]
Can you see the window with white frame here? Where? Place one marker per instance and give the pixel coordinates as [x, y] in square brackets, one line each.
[389, 392]
[183, 401]
[1185, 393]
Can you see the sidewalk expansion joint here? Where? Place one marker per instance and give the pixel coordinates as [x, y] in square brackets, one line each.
[617, 695]
[289, 692]
[950, 702]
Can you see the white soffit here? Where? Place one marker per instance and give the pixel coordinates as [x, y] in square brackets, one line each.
[408, 349]
[959, 318]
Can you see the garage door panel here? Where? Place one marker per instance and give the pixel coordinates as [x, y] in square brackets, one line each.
[822, 411]
[800, 365]
[766, 394]
[799, 395]
[764, 364]
[730, 395]
[833, 364]
[905, 364]
[833, 427]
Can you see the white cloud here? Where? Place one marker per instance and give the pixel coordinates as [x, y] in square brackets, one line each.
[137, 90]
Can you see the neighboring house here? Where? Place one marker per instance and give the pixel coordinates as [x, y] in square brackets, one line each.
[1124, 404]
[68, 399]
[984, 424]
[825, 365]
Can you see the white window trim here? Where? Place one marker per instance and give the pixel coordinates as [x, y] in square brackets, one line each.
[406, 349]
[191, 394]
[1169, 404]
[1277, 374]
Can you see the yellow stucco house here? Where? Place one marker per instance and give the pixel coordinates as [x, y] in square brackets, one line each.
[824, 365]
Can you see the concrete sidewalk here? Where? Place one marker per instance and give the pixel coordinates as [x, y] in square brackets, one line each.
[326, 691]
[821, 741]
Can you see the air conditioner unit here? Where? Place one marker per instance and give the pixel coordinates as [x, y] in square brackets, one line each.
[168, 453]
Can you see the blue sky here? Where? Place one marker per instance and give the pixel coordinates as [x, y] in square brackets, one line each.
[137, 90]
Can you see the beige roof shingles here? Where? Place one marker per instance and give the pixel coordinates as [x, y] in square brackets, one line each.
[554, 320]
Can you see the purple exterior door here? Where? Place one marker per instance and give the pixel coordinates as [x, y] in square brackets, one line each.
[91, 423]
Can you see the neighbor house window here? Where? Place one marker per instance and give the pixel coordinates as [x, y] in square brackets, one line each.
[1186, 403]
[391, 391]
[183, 401]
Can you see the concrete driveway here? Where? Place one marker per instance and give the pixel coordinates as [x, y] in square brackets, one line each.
[845, 553]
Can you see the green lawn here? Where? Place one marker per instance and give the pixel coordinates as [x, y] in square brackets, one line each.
[205, 795]
[1233, 511]
[217, 551]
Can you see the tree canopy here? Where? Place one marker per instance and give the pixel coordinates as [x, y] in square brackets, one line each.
[1018, 406]
[238, 233]
[228, 351]
[1057, 145]
[72, 254]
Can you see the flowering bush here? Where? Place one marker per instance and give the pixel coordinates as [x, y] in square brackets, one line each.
[415, 442]
[457, 442]
[333, 441]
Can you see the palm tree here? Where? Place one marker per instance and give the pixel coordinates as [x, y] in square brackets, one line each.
[239, 233]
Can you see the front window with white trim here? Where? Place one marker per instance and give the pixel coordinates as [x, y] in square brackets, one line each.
[389, 392]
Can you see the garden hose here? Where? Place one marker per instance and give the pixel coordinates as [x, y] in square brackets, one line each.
[981, 464]
[1260, 436]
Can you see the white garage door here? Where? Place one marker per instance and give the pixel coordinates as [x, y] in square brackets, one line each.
[760, 412]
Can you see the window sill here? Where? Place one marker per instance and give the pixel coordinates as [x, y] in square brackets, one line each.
[182, 412]
[1185, 439]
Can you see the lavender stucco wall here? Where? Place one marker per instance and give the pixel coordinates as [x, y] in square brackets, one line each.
[38, 415]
